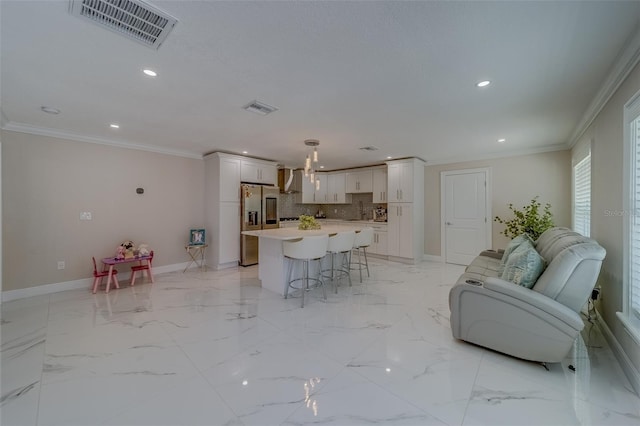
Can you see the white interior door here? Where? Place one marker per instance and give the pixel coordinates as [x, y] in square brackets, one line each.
[466, 216]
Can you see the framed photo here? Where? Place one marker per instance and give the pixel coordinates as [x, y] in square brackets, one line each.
[196, 237]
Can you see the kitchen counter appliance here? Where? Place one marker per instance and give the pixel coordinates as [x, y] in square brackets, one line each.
[380, 214]
[259, 209]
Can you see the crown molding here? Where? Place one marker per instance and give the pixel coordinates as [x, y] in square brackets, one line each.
[61, 134]
[622, 67]
[496, 155]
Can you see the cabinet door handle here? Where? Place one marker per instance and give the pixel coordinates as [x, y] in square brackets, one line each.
[401, 197]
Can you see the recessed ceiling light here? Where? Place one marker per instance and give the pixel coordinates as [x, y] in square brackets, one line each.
[114, 126]
[150, 73]
[245, 152]
[483, 83]
[50, 110]
[503, 140]
[389, 157]
[322, 167]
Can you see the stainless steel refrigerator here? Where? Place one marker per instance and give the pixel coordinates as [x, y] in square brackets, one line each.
[259, 209]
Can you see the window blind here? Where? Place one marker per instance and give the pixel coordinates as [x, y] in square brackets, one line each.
[634, 260]
[582, 196]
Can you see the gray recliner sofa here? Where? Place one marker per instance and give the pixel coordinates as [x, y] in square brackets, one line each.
[537, 324]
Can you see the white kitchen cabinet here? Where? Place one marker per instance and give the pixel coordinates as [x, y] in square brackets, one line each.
[229, 233]
[229, 179]
[400, 230]
[256, 171]
[400, 181]
[322, 194]
[358, 182]
[306, 191]
[405, 234]
[379, 244]
[336, 189]
[222, 209]
[379, 185]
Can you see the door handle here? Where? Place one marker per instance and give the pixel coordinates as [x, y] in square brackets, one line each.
[448, 223]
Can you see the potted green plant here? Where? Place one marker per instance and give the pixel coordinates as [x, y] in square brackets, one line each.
[308, 223]
[531, 220]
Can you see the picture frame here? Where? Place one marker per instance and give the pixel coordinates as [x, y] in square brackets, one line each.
[197, 237]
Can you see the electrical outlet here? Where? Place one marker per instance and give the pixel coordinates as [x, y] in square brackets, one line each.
[60, 264]
[595, 293]
[85, 215]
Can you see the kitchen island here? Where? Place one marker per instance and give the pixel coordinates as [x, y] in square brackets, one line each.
[272, 265]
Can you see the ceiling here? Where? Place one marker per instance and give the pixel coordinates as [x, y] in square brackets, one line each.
[396, 75]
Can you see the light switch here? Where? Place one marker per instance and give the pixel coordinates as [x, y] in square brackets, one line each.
[85, 215]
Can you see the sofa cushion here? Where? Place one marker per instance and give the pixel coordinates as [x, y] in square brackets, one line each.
[548, 235]
[511, 247]
[480, 268]
[547, 247]
[524, 265]
[559, 244]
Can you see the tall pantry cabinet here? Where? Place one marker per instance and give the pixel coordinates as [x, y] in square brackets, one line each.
[222, 209]
[405, 210]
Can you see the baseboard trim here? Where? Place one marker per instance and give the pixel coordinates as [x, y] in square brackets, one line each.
[627, 366]
[40, 290]
[432, 258]
[227, 265]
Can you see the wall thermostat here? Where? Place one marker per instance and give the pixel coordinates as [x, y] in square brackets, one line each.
[139, 190]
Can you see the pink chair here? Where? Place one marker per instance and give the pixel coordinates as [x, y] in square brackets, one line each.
[97, 276]
[142, 268]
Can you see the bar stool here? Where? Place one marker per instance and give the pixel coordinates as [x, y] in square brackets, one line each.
[364, 238]
[305, 249]
[340, 243]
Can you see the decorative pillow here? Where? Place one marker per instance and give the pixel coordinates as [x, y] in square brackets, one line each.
[513, 244]
[524, 265]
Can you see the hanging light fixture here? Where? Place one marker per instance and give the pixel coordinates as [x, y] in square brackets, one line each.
[311, 162]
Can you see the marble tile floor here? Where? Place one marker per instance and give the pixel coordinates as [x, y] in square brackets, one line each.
[213, 348]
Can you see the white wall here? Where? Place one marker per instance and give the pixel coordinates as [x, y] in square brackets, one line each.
[47, 182]
[515, 180]
[606, 134]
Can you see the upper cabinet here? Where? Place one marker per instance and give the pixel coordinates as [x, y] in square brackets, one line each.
[337, 189]
[359, 182]
[229, 178]
[257, 171]
[400, 181]
[306, 192]
[380, 185]
[331, 189]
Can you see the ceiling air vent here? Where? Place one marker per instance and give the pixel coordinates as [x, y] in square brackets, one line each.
[259, 108]
[369, 148]
[134, 19]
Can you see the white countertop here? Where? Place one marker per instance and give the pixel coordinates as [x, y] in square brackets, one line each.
[293, 233]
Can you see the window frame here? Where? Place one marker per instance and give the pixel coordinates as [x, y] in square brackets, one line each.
[629, 319]
[581, 153]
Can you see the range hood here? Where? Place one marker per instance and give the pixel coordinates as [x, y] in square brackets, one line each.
[286, 178]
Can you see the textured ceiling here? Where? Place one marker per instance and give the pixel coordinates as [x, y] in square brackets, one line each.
[396, 75]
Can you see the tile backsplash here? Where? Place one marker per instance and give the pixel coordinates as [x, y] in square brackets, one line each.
[361, 203]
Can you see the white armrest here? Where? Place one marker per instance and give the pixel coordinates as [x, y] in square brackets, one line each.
[535, 299]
